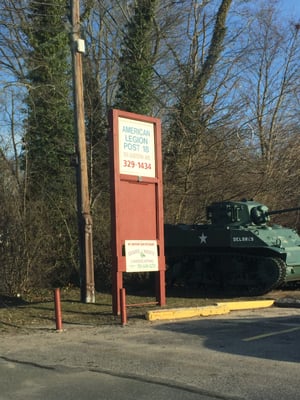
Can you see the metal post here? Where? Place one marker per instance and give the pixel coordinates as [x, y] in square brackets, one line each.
[57, 304]
[84, 215]
[123, 306]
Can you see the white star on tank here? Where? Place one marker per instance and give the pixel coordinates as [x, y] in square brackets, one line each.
[202, 238]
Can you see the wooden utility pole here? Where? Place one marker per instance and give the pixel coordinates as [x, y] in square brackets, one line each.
[83, 202]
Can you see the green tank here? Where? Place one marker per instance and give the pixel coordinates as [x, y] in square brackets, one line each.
[238, 250]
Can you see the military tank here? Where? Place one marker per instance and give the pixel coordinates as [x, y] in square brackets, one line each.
[237, 251]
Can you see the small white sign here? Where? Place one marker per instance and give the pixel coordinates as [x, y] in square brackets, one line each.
[141, 255]
[136, 148]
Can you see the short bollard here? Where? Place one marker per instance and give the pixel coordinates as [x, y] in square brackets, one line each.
[57, 304]
[123, 306]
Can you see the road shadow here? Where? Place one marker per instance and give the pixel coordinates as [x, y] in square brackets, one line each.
[275, 338]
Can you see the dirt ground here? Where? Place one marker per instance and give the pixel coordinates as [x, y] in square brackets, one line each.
[36, 310]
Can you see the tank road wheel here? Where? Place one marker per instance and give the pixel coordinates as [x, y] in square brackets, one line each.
[270, 273]
[178, 271]
[227, 273]
[173, 272]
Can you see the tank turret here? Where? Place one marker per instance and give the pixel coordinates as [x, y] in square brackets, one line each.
[241, 213]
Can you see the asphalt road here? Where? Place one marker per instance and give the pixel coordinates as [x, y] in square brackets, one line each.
[37, 383]
[251, 355]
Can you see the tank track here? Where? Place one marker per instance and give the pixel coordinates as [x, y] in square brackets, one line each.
[274, 269]
[229, 273]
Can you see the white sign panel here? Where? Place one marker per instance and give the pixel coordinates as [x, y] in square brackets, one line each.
[136, 148]
[141, 255]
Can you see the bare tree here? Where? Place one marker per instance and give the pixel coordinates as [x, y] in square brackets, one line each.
[269, 91]
[187, 146]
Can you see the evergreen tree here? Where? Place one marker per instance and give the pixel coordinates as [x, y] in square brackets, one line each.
[49, 141]
[135, 92]
[98, 161]
[49, 137]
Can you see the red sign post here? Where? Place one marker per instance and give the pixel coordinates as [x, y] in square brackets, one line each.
[136, 200]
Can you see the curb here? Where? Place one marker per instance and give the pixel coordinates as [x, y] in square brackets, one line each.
[287, 302]
[247, 305]
[217, 309]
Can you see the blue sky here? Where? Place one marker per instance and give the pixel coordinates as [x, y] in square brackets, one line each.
[291, 8]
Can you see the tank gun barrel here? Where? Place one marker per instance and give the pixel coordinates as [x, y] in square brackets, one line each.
[283, 211]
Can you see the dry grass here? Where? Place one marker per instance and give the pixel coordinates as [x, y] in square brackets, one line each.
[36, 310]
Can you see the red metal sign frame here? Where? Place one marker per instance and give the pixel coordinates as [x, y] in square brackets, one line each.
[136, 194]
